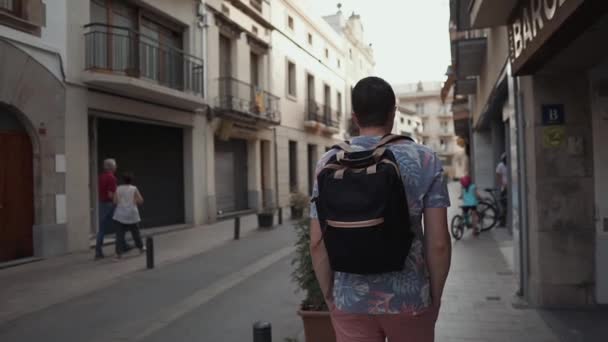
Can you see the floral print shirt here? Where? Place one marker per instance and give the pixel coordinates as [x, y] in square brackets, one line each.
[407, 291]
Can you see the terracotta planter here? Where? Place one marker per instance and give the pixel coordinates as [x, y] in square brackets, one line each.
[297, 213]
[317, 326]
[265, 220]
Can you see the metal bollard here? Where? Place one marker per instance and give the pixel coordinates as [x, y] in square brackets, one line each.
[262, 332]
[280, 216]
[149, 253]
[237, 228]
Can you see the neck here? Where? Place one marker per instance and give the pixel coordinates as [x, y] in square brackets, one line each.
[373, 131]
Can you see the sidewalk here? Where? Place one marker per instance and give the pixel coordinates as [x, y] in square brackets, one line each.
[33, 287]
[480, 304]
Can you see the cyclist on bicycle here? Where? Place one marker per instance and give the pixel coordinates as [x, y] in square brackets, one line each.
[470, 201]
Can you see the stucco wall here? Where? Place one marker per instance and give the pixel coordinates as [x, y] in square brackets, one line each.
[561, 224]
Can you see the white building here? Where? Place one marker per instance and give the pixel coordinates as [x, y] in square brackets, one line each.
[408, 123]
[359, 57]
[424, 99]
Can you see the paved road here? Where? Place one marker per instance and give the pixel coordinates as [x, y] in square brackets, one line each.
[215, 296]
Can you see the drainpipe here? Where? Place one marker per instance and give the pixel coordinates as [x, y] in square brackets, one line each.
[203, 23]
[524, 243]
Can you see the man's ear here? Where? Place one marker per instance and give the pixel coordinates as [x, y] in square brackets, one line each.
[355, 120]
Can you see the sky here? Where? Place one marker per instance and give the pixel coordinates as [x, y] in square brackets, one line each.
[410, 37]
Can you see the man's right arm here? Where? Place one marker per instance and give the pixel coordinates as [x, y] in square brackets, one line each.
[438, 247]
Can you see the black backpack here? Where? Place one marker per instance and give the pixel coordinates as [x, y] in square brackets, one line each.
[363, 210]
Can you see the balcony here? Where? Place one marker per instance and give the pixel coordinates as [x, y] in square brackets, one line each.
[246, 103]
[322, 118]
[332, 125]
[127, 62]
[485, 13]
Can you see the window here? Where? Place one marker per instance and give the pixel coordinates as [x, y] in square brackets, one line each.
[444, 126]
[443, 145]
[326, 53]
[339, 63]
[26, 16]
[409, 122]
[257, 4]
[310, 39]
[420, 108]
[290, 22]
[291, 79]
[402, 120]
[350, 53]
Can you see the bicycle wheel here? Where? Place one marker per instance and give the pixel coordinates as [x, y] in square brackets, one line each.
[488, 216]
[457, 227]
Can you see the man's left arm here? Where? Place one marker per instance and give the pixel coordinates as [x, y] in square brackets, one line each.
[320, 261]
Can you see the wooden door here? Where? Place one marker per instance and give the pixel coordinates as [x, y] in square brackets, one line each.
[16, 196]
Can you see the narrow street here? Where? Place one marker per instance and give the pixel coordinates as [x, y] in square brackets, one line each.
[232, 286]
[219, 294]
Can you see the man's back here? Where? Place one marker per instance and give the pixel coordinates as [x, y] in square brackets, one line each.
[407, 291]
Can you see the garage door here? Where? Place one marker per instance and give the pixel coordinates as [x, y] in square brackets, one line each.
[231, 175]
[155, 155]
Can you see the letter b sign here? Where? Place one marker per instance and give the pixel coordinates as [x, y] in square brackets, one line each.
[553, 115]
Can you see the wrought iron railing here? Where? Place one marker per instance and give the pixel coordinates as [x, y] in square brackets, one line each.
[8, 5]
[247, 99]
[329, 119]
[312, 111]
[124, 51]
[321, 114]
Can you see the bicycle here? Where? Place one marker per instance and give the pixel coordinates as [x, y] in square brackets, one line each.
[496, 201]
[487, 220]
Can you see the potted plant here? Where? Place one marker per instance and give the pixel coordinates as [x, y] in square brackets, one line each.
[314, 311]
[266, 218]
[299, 202]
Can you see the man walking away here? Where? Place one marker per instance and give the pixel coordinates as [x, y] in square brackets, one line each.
[502, 179]
[107, 188]
[388, 285]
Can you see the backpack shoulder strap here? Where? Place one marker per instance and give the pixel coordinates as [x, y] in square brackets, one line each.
[390, 139]
[344, 146]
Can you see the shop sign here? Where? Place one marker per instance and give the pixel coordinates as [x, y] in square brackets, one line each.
[533, 23]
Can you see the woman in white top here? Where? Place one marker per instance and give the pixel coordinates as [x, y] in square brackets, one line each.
[126, 199]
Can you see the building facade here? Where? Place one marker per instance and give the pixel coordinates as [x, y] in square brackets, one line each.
[424, 99]
[358, 59]
[218, 107]
[311, 59]
[537, 79]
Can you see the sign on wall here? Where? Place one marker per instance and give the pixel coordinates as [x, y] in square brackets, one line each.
[553, 115]
[533, 23]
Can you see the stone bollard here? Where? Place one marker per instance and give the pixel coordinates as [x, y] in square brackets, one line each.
[149, 252]
[262, 332]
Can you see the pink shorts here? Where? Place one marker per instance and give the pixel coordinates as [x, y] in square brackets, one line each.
[378, 328]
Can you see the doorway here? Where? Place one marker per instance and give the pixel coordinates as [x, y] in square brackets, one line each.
[16, 190]
[600, 162]
[312, 165]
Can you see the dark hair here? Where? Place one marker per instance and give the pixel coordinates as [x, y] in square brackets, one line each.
[127, 178]
[373, 101]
